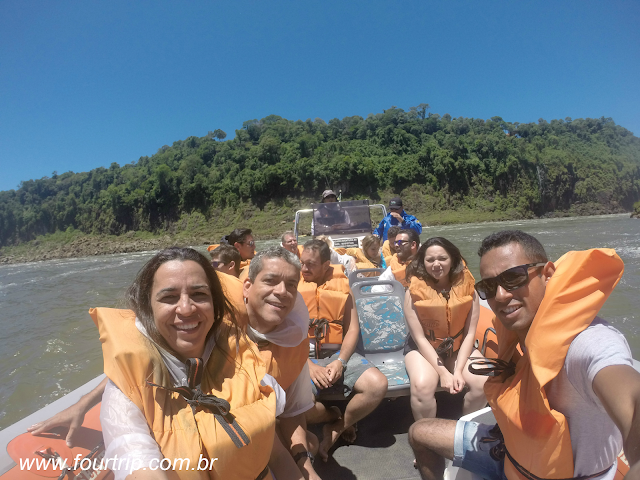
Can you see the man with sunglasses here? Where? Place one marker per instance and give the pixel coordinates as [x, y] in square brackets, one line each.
[575, 400]
[397, 217]
[407, 245]
[226, 259]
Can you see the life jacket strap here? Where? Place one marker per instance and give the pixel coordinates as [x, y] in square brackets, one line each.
[218, 406]
[499, 451]
[263, 473]
[491, 367]
[446, 347]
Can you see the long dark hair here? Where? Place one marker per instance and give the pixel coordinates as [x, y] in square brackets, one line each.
[138, 295]
[416, 267]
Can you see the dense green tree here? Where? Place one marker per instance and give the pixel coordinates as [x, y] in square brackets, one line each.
[530, 169]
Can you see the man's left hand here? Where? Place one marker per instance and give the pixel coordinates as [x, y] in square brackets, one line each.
[334, 371]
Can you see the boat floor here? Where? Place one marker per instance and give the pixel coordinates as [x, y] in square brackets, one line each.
[381, 450]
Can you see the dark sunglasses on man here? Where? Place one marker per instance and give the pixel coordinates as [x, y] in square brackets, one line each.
[511, 279]
[216, 263]
[399, 243]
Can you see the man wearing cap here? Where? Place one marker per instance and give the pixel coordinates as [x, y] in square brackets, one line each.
[397, 216]
[328, 217]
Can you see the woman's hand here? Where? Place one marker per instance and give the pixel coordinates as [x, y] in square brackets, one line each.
[446, 381]
[458, 382]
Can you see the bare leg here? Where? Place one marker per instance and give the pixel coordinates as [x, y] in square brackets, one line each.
[474, 399]
[424, 382]
[432, 441]
[313, 443]
[321, 414]
[369, 390]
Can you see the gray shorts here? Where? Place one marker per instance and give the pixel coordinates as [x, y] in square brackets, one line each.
[472, 454]
[356, 366]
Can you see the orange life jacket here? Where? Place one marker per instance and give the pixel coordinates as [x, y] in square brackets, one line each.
[399, 269]
[283, 363]
[362, 261]
[232, 373]
[443, 318]
[536, 436]
[386, 250]
[358, 254]
[326, 304]
[210, 248]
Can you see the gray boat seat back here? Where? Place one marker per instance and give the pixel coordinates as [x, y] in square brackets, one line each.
[359, 275]
[383, 330]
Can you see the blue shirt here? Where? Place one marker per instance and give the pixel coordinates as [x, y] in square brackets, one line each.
[408, 221]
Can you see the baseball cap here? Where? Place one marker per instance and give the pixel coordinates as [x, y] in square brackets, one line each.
[395, 202]
[328, 193]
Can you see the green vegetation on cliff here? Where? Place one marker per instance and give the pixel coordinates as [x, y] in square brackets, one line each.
[477, 169]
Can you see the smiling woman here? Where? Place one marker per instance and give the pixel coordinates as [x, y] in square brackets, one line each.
[442, 311]
[179, 366]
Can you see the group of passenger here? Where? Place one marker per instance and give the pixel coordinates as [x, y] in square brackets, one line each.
[228, 359]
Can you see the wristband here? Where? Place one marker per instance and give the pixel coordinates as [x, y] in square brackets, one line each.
[304, 454]
[344, 364]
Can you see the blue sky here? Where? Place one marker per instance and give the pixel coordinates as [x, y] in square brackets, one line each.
[87, 83]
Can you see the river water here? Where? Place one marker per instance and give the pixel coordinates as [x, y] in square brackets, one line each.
[49, 345]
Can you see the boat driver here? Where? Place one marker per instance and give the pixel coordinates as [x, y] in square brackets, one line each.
[329, 216]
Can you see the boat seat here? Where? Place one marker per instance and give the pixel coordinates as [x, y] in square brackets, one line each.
[364, 274]
[383, 330]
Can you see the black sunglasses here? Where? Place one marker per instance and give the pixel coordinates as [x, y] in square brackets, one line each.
[216, 263]
[511, 279]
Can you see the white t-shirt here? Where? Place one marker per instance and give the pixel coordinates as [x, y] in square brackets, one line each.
[595, 439]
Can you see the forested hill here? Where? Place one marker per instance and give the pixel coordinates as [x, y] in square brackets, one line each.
[441, 163]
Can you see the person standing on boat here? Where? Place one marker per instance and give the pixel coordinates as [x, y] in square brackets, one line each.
[567, 406]
[397, 217]
[441, 309]
[326, 293]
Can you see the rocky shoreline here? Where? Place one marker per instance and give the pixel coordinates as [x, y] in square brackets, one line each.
[82, 245]
[86, 246]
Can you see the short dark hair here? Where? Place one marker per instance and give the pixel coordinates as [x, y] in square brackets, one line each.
[393, 231]
[138, 295]
[321, 247]
[226, 254]
[413, 235]
[238, 235]
[255, 267]
[416, 267]
[530, 244]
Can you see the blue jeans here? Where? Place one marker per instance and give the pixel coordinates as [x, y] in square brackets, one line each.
[472, 455]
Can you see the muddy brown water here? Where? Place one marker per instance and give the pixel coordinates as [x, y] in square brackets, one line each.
[49, 345]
